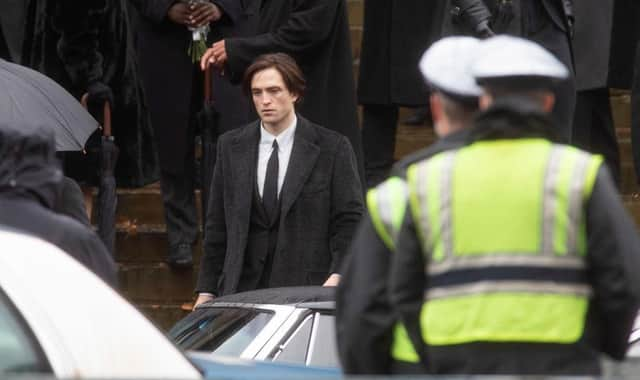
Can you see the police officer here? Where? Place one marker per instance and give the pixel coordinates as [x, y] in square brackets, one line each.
[516, 253]
[368, 341]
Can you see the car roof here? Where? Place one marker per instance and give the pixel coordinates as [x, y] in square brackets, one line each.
[84, 327]
[280, 296]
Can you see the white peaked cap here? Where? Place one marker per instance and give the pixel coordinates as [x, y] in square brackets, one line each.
[446, 65]
[512, 57]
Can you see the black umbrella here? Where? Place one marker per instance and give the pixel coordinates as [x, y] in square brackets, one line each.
[207, 120]
[31, 99]
[107, 197]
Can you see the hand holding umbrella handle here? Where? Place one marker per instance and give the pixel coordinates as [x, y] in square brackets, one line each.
[106, 127]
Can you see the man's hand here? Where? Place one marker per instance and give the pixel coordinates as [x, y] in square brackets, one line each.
[202, 298]
[216, 55]
[333, 280]
[204, 13]
[179, 13]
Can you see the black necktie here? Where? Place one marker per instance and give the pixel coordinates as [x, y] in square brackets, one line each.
[270, 191]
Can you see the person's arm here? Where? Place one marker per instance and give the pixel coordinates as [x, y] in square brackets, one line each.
[613, 262]
[215, 242]
[364, 319]
[347, 205]
[407, 281]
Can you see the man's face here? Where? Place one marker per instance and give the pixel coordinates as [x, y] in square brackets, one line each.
[273, 101]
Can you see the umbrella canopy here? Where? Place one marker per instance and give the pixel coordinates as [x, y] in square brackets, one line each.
[30, 98]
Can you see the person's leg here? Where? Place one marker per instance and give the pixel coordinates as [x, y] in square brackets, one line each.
[593, 128]
[378, 139]
[180, 210]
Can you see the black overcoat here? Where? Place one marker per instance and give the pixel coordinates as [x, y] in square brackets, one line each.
[171, 80]
[316, 33]
[321, 205]
[592, 42]
[625, 36]
[396, 34]
[97, 45]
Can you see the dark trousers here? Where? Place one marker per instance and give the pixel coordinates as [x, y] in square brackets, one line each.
[593, 128]
[178, 196]
[557, 42]
[379, 123]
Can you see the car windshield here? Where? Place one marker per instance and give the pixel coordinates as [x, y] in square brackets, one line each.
[225, 331]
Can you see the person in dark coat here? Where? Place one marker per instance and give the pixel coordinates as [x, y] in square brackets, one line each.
[593, 128]
[394, 37]
[286, 197]
[87, 47]
[70, 202]
[316, 34]
[173, 86]
[30, 183]
[364, 317]
[546, 22]
[12, 19]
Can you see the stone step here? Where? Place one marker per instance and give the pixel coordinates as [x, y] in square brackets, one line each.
[146, 243]
[156, 283]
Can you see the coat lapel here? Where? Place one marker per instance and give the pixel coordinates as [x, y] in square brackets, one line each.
[303, 158]
[243, 160]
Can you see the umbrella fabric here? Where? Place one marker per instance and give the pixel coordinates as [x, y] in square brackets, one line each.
[207, 120]
[31, 99]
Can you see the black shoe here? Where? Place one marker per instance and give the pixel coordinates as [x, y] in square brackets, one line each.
[420, 116]
[180, 257]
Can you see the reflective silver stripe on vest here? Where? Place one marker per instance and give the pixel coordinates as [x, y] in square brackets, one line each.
[507, 287]
[422, 182]
[446, 208]
[505, 259]
[387, 199]
[576, 189]
[549, 201]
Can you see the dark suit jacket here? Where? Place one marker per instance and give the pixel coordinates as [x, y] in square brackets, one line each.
[321, 204]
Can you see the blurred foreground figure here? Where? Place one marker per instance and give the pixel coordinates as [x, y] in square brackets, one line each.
[30, 185]
[516, 254]
[368, 341]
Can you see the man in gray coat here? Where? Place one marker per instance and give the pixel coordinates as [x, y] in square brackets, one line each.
[285, 195]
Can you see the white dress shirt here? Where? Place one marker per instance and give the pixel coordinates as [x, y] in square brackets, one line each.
[285, 145]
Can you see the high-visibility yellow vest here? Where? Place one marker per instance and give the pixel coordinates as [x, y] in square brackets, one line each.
[502, 226]
[387, 204]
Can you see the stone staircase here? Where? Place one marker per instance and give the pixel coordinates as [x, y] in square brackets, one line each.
[165, 295]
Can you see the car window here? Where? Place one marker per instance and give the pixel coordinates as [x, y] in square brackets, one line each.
[222, 330]
[294, 349]
[323, 351]
[19, 351]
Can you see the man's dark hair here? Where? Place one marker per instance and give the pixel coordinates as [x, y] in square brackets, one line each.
[285, 65]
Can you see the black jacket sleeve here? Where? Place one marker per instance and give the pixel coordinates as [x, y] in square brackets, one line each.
[309, 24]
[408, 282]
[613, 262]
[215, 242]
[347, 205]
[364, 318]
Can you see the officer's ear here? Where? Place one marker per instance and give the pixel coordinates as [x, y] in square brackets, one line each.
[485, 101]
[548, 101]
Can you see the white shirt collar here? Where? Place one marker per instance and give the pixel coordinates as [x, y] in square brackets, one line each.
[285, 139]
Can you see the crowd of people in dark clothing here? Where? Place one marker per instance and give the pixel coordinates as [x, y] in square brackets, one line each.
[274, 104]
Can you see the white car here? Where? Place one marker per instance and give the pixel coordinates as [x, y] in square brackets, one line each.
[57, 317]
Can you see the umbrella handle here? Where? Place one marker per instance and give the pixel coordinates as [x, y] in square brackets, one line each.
[208, 97]
[106, 128]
